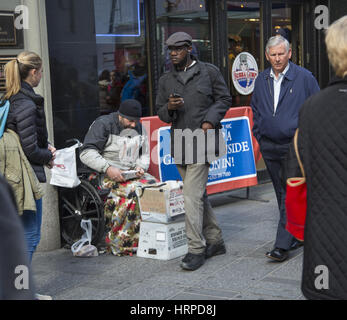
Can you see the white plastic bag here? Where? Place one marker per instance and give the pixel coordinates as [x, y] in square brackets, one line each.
[80, 248]
[64, 173]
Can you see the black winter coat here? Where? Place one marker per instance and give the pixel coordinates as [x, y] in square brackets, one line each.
[323, 148]
[27, 118]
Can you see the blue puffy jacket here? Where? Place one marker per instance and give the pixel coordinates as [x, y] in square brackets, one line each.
[298, 84]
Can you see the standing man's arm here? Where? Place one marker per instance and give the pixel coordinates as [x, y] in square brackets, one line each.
[254, 104]
[313, 85]
[166, 106]
[222, 100]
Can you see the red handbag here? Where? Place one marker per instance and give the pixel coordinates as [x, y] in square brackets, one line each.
[296, 199]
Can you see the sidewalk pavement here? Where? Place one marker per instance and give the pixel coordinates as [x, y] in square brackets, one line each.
[243, 273]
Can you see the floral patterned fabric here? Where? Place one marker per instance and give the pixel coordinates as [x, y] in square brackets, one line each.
[123, 213]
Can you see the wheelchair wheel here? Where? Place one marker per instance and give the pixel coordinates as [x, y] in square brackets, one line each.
[82, 202]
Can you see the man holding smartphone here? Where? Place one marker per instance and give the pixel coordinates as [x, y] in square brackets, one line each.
[194, 96]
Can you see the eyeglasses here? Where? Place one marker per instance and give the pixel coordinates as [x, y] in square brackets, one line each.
[176, 49]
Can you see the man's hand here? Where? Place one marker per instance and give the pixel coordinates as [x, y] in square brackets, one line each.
[140, 172]
[115, 174]
[207, 126]
[175, 103]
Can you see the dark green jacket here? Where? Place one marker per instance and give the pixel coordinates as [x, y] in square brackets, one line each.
[16, 169]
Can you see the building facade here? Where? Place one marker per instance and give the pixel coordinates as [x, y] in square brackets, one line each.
[98, 52]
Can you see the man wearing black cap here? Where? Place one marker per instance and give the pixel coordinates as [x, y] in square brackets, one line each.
[194, 97]
[116, 143]
[107, 147]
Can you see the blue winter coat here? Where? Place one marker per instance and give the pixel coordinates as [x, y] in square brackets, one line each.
[298, 84]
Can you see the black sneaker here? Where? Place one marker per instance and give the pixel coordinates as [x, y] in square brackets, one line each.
[187, 257]
[193, 261]
[214, 249]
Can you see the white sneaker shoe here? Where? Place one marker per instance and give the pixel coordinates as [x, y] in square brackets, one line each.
[42, 297]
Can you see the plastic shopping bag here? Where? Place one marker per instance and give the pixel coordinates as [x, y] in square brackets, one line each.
[80, 248]
[64, 173]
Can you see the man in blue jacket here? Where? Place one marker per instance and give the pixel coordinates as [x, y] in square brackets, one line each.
[278, 95]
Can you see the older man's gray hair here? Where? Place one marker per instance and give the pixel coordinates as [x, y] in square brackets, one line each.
[275, 41]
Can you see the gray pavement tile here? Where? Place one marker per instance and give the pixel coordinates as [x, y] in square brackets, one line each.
[221, 294]
[147, 290]
[255, 296]
[175, 275]
[239, 275]
[291, 269]
[263, 231]
[84, 293]
[281, 288]
[195, 296]
[54, 282]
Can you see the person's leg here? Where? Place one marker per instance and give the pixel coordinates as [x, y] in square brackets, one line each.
[32, 221]
[211, 231]
[283, 238]
[194, 185]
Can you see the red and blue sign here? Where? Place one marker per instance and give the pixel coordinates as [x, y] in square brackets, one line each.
[234, 170]
[237, 163]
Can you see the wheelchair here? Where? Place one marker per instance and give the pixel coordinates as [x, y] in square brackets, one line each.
[86, 201]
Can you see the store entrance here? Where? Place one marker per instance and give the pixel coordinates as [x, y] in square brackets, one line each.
[250, 24]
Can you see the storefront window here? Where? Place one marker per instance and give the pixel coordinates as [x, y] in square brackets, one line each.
[287, 20]
[121, 53]
[189, 16]
[244, 35]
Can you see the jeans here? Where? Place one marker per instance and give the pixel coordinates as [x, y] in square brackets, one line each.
[201, 223]
[32, 221]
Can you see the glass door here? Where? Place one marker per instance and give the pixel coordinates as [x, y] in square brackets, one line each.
[190, 16]
[245, 35]
[287, 20]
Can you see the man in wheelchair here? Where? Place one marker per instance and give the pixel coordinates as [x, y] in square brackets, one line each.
[114, 144]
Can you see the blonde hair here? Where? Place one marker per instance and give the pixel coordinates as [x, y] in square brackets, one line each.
[18, 70]
[336, 42]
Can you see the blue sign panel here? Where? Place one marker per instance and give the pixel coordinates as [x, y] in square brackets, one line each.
[237, 163]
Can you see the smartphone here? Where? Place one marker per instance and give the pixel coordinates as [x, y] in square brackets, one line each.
[176, 95]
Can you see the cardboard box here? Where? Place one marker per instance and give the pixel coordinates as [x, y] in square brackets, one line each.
[162, 241]
[162, 204]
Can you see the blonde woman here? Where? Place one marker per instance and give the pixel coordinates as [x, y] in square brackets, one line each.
[27, 118]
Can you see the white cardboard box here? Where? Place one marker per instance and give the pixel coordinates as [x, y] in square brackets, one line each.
[162, 241]
[162, 204]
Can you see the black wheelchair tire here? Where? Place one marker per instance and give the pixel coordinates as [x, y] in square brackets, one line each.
[81, 202]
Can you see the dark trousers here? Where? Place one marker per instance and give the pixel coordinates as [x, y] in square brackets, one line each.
[283, 238]
[274, 157]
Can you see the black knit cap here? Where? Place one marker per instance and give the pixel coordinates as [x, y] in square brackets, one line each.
[178, 39]
[130, 109]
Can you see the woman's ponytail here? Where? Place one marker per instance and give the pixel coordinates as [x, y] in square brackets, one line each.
[13, 79]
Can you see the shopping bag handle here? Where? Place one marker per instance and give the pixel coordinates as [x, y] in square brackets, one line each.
[297, 152]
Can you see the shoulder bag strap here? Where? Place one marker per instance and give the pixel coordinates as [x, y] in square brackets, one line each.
[297, 152]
